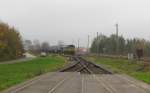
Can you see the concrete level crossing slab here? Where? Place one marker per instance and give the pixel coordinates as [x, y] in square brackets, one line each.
[91, 85]
[74, 82]
[71, 85]
[43, 84]
[112, 84]
[121, 84]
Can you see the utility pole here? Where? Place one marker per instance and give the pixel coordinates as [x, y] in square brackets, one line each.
[88, 44]
[117, 38]
[78, 44]
[97, 49]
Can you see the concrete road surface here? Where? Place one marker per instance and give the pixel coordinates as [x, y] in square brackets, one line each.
[74, 82]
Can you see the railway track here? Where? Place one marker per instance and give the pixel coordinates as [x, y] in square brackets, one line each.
[85, 67]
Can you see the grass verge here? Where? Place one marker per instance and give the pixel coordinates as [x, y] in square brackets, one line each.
[123, 66]
[12, 74]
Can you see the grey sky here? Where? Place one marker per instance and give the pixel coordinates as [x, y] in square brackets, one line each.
[68, 20]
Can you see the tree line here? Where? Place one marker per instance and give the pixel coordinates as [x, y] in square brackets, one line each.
[36, 47]
[114, 44]
[10, 43]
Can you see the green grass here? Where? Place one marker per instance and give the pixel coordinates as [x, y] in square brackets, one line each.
[123, 66]
[12, 74]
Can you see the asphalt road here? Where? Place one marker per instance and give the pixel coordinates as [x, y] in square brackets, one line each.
[74, 82]
[16, 61]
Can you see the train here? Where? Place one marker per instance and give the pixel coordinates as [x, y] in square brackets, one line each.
[66, 49]
[71, 50]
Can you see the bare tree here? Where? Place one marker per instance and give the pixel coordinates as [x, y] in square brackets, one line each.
[27, 45]
[45, 46]
[36, 47]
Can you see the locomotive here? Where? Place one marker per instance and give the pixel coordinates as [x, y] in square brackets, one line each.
[68, 50]
[65, 49]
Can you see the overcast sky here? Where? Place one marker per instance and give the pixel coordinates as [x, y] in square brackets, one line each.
[68, 20]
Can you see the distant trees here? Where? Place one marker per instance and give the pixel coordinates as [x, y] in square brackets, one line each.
[36, 47]
[104, 44]
[27, 44]
[10, 43]
[147, 48]
[119, 45]
[45, 46]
